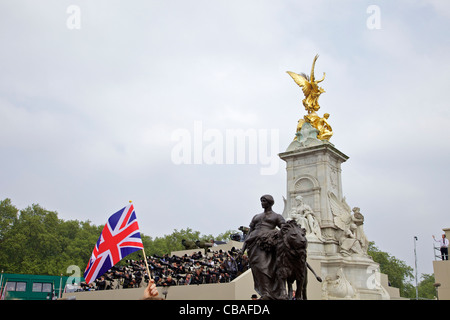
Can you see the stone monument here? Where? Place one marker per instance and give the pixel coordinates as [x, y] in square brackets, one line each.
[315, 199]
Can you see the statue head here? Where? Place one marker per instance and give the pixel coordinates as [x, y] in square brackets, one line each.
[267, 201]
[293, 235]
[299, 199]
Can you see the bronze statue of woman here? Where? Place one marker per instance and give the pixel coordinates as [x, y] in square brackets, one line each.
[260, 245]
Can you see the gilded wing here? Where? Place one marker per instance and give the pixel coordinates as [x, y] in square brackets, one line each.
[303, 81]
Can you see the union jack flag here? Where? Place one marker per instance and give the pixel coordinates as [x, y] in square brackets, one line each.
[119, 238]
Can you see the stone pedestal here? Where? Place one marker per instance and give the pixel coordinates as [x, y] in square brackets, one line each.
[313, 172]
[336, 239]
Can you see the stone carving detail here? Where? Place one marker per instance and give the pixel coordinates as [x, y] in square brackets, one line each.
[307, 136]
[351, 237]
[304, 184]
[305, 218]
[358, 220]
[338, 287]
[334, 178]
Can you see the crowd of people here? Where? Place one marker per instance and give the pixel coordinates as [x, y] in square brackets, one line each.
[198, 268]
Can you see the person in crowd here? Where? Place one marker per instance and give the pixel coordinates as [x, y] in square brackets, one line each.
[101, 283]
[169, 282]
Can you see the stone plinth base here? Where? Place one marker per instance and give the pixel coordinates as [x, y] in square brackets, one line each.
[350, 278]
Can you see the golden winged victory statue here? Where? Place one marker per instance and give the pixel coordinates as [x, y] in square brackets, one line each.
[312, 91]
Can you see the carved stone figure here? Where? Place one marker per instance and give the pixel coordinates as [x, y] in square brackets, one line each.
[306, 136]
[305, 217]
[352, 239]
[358, 220]
[338, 287]
[349, 243]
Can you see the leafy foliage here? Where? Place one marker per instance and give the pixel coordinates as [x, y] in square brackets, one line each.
[35, 241]
[426, 287]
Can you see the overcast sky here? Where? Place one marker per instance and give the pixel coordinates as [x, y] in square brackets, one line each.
[94, 96]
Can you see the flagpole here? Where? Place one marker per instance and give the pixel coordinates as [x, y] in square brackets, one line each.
[146, 264]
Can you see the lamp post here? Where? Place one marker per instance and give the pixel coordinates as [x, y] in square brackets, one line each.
[415, 262]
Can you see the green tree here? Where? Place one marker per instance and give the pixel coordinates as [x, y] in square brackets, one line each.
[426, 288]
[79, 241]
[8, 215]
[35, 241]
[398, 271]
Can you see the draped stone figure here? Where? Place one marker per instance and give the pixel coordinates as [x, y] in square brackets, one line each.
[305, 217]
